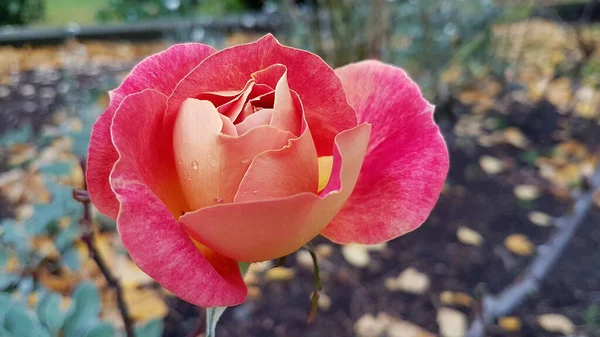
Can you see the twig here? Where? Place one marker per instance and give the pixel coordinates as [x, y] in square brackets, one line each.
[87, 236]
[548, 253]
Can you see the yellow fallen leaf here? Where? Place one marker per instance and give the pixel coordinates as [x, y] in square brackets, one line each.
[324, 302]
[455, 298]
[527, 192]
[540, 218]
[371, 326]
[515, 137]
[491, 165]
[145, 304]
[556, 323]
[519, 244]
[280, 274]
[510, 323]
[468, 236]
[44, 245]
[410, 280]
[323, 250]
[452, 323]
[355, 254]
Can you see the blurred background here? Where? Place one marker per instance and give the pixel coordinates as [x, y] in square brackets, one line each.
[511, 249]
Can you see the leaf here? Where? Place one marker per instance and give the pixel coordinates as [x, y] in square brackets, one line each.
[19, 322]
[82, 317]
[7, 280]
[154, 328]
[61, 168]
[71, 259]
[49, 313]
[103, 329]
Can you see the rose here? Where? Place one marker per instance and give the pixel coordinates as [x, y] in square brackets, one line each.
[207, 157]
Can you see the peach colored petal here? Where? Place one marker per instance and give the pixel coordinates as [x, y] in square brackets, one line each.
[261, 117]
[267, 229]
[406, 162]
[287, 171]
[210, 165]
[287, 111]
[233, 108]
[228, 127]
[161, 72]
[148, 192]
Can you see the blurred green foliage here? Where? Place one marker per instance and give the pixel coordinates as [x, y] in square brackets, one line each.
[135, 10]
[425, 37]
[18, 12]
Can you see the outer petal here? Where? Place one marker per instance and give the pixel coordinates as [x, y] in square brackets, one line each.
[406, 162]
[327, 109]
[267, 229]
[143, 180]
[161, 72]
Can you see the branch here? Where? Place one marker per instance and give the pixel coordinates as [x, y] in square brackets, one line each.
[87, 236]
[514, 294]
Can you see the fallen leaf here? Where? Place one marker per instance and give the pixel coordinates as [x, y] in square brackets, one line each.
[527, 192]
[468, 236]
[455, 298]
[280, 274]
[44, 246]
[410, 280]
[510, 323]
[145, 304]
[556, 323]
[491, 165]
[371, 326]
[519, 244]
[540, 218]
[452, 323]
[355, 254]
[304, 259]
[323, 250]
[515, 137]
[324, 302]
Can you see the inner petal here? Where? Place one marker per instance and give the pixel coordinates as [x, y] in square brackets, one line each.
[260, 117]
[210, 162]
[233, 108]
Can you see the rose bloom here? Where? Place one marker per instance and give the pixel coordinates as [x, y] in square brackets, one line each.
[206, 158]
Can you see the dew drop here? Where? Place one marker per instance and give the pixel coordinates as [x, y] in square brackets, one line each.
[218, 200]
[254, 191]
[180, 161]
[195, 165]
[245, 160]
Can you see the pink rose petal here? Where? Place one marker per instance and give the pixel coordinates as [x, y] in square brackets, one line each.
[406, 162]
[147, 188]
[161, 72]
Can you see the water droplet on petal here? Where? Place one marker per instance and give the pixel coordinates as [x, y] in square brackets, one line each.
[195, 165]
[218, 200]
[245, 160]
[254, 191]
